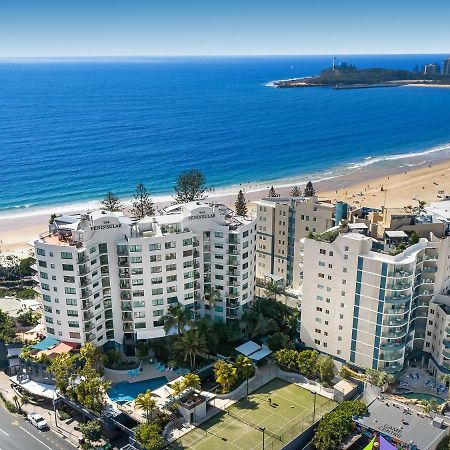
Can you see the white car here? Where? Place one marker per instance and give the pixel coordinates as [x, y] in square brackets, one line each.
[38, 421]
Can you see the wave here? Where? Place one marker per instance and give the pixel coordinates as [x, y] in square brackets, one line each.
[30, 210]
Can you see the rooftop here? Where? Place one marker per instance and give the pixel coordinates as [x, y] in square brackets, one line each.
[394, 420]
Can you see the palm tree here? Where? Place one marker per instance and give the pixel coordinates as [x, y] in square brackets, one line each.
[204, 327]
[265, 326]
[213, 297]
[16, 401]
[24, 400]
[146, 402]
[176, 316]
[191, 344]
[274, 289]
[226, 375]
[191, 380]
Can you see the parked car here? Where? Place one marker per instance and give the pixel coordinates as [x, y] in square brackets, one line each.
[38, 421]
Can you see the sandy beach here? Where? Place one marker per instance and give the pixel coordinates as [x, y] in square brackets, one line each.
[390, 190]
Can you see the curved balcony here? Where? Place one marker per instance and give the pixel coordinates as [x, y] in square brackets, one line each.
[395, 311]
[401, 274]
[397, 299]
[398, 286]
[395, 323]
[393, 368]
[397, 334]
[391, 346]
[392, 356]
[446, 353]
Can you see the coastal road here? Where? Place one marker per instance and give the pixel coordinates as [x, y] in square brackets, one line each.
[18, 434]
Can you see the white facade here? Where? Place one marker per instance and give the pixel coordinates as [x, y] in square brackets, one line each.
[365, 307]
[105, 279]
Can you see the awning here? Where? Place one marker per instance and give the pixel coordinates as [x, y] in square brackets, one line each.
[45, 344]
[248, 348]
[35, 388]
[260, 354]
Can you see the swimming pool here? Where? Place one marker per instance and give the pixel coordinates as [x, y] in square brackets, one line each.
[126, 392]
[427, 397]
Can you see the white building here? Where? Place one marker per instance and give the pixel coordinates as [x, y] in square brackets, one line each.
[107, 279]
[366, 304]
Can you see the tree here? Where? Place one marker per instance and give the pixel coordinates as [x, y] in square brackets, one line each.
[190, 344]
[91, 431]
[345, 373]
[225, 374]
[272, 192]
[111, 202]
[205, 328]
[307, 362]
[149, 436]
[142, 204]
[326, 368]
[146, 402]
[28, 318]
[279, 341]
[244, 366]
[178, 317]
[286, 359]
[192, 381]
[190, 186]
[296, 192]
[241, 204]
[53, 216]
[7, 327]
[274, 289]
[309, 190]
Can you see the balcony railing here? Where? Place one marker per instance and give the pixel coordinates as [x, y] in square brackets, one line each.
[393, 368]
[86, 305]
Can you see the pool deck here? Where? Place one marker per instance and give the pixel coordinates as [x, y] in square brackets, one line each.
[422, 384]
[149, 371]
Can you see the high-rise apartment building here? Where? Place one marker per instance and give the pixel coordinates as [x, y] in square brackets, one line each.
[376, 303]
[282, 221]
[446, 67]
[107, 279]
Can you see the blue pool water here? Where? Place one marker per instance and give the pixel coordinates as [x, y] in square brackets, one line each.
[126, 392]
[427, 397]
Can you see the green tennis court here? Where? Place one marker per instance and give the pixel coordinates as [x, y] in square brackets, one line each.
[284, 410]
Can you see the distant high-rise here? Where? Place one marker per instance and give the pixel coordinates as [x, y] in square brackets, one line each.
[446, 67]
[431, 69]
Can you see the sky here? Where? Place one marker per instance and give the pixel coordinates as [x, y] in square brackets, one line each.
[50, 28]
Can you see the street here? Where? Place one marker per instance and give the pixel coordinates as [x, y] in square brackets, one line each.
[16, 433]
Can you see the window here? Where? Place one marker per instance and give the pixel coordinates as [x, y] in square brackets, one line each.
[155, 258]
[218, 234]
[170, 267]
[171, 289]
[137, 271]
[40, 251]
[187, 264]
[43, 275]
[70, 290]
[157, 291]
[138, 293]
[139, 304]
[158, 312]
[171, 278]
[73, 324]
[156, 269]
[321, 263]
[169, 245]
[66, 255]
[344, 270]
[72, 312]
[154, 247]
[158, 302]
[68, 267]
[46, 298]
[69, 279]
[187, 242]
[71, 301]
[140, 325]
[157, 280]
[45, 286]
[42, 263]
[92, 249]
[170, 256]
[188, 285]
[137, 282]
[135, 248]
[330, 253]
[139, 314]
[346, 248]
[136, 259]
[74, 335]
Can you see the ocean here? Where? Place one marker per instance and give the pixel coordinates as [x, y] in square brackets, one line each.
[71, 130]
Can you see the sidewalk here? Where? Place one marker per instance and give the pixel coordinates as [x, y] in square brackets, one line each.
[63, 429]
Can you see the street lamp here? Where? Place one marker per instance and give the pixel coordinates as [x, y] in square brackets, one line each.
[314, 410]
[249, 364]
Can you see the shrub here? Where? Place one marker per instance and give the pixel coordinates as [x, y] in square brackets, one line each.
[11, 407]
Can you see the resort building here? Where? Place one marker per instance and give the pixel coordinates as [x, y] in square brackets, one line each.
[107, 279]
[446, 67]
[431, 69]
[282, 221]
[370, 302]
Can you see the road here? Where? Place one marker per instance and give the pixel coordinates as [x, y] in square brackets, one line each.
[16, 433]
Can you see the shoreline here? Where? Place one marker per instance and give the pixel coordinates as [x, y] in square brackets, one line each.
[401, 184]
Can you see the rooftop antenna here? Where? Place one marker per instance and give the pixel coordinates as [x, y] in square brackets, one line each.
[334, 62]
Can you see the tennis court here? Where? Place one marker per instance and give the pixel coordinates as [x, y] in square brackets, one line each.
[283, 410]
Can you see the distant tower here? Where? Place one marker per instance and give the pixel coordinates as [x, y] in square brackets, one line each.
[334, 62]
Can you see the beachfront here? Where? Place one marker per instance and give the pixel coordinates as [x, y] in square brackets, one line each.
[391, 190]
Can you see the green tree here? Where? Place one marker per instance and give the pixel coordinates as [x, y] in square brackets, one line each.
[279, 341]
[28, 318]
[272, 192]
[307, 362]
[111, 202]
[309, 190]
[192, 381]
[225, 374]
[149, 436]
[244, 366]
[241, 204]
[146, 402]
[7, 327]
[287, 359]
[53, 216]
[91, 431]
[337, 424]
[190, 344]
[326, 368]
[142, 204]
[177, 317]
[206, 329]
[190, 186]
[296, 192]
[345, 373]
[274, 289]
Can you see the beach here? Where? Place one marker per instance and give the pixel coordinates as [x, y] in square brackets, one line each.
[392, 189]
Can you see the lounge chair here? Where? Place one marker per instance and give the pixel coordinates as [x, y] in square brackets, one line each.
[412, 376]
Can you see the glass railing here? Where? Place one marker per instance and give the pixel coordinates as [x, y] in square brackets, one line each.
[392, 368]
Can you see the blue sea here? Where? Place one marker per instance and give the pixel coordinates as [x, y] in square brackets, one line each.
[71, 130]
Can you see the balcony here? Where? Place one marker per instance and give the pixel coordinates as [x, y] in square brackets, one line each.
[430, 269]
[126, 306]
[82, 259]
[395, 312]
[233, 273]
[104, 270]
[233, 262]
[233, 251]
[233, 283]
[125, 295]
[122, 251]
[88, 315]
[124, 273]
[82, 270]
[128, 327]
[127, 316]
[89, 337]
[392, 355]
[446, 353]
[86, 305]
[391, 346]
[85, 293]
[395, 323]
[398, 286]
[85, 281]
[394, 334]
[107, 304]
[398, 299]
[400, 274]
[123, 262]
[393, 368]
[88, 326]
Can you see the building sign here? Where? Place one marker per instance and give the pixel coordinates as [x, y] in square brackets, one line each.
[391, 431]
[106, 226]
[202, 216]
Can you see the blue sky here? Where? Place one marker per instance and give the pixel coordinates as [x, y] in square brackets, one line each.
[226, 27]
